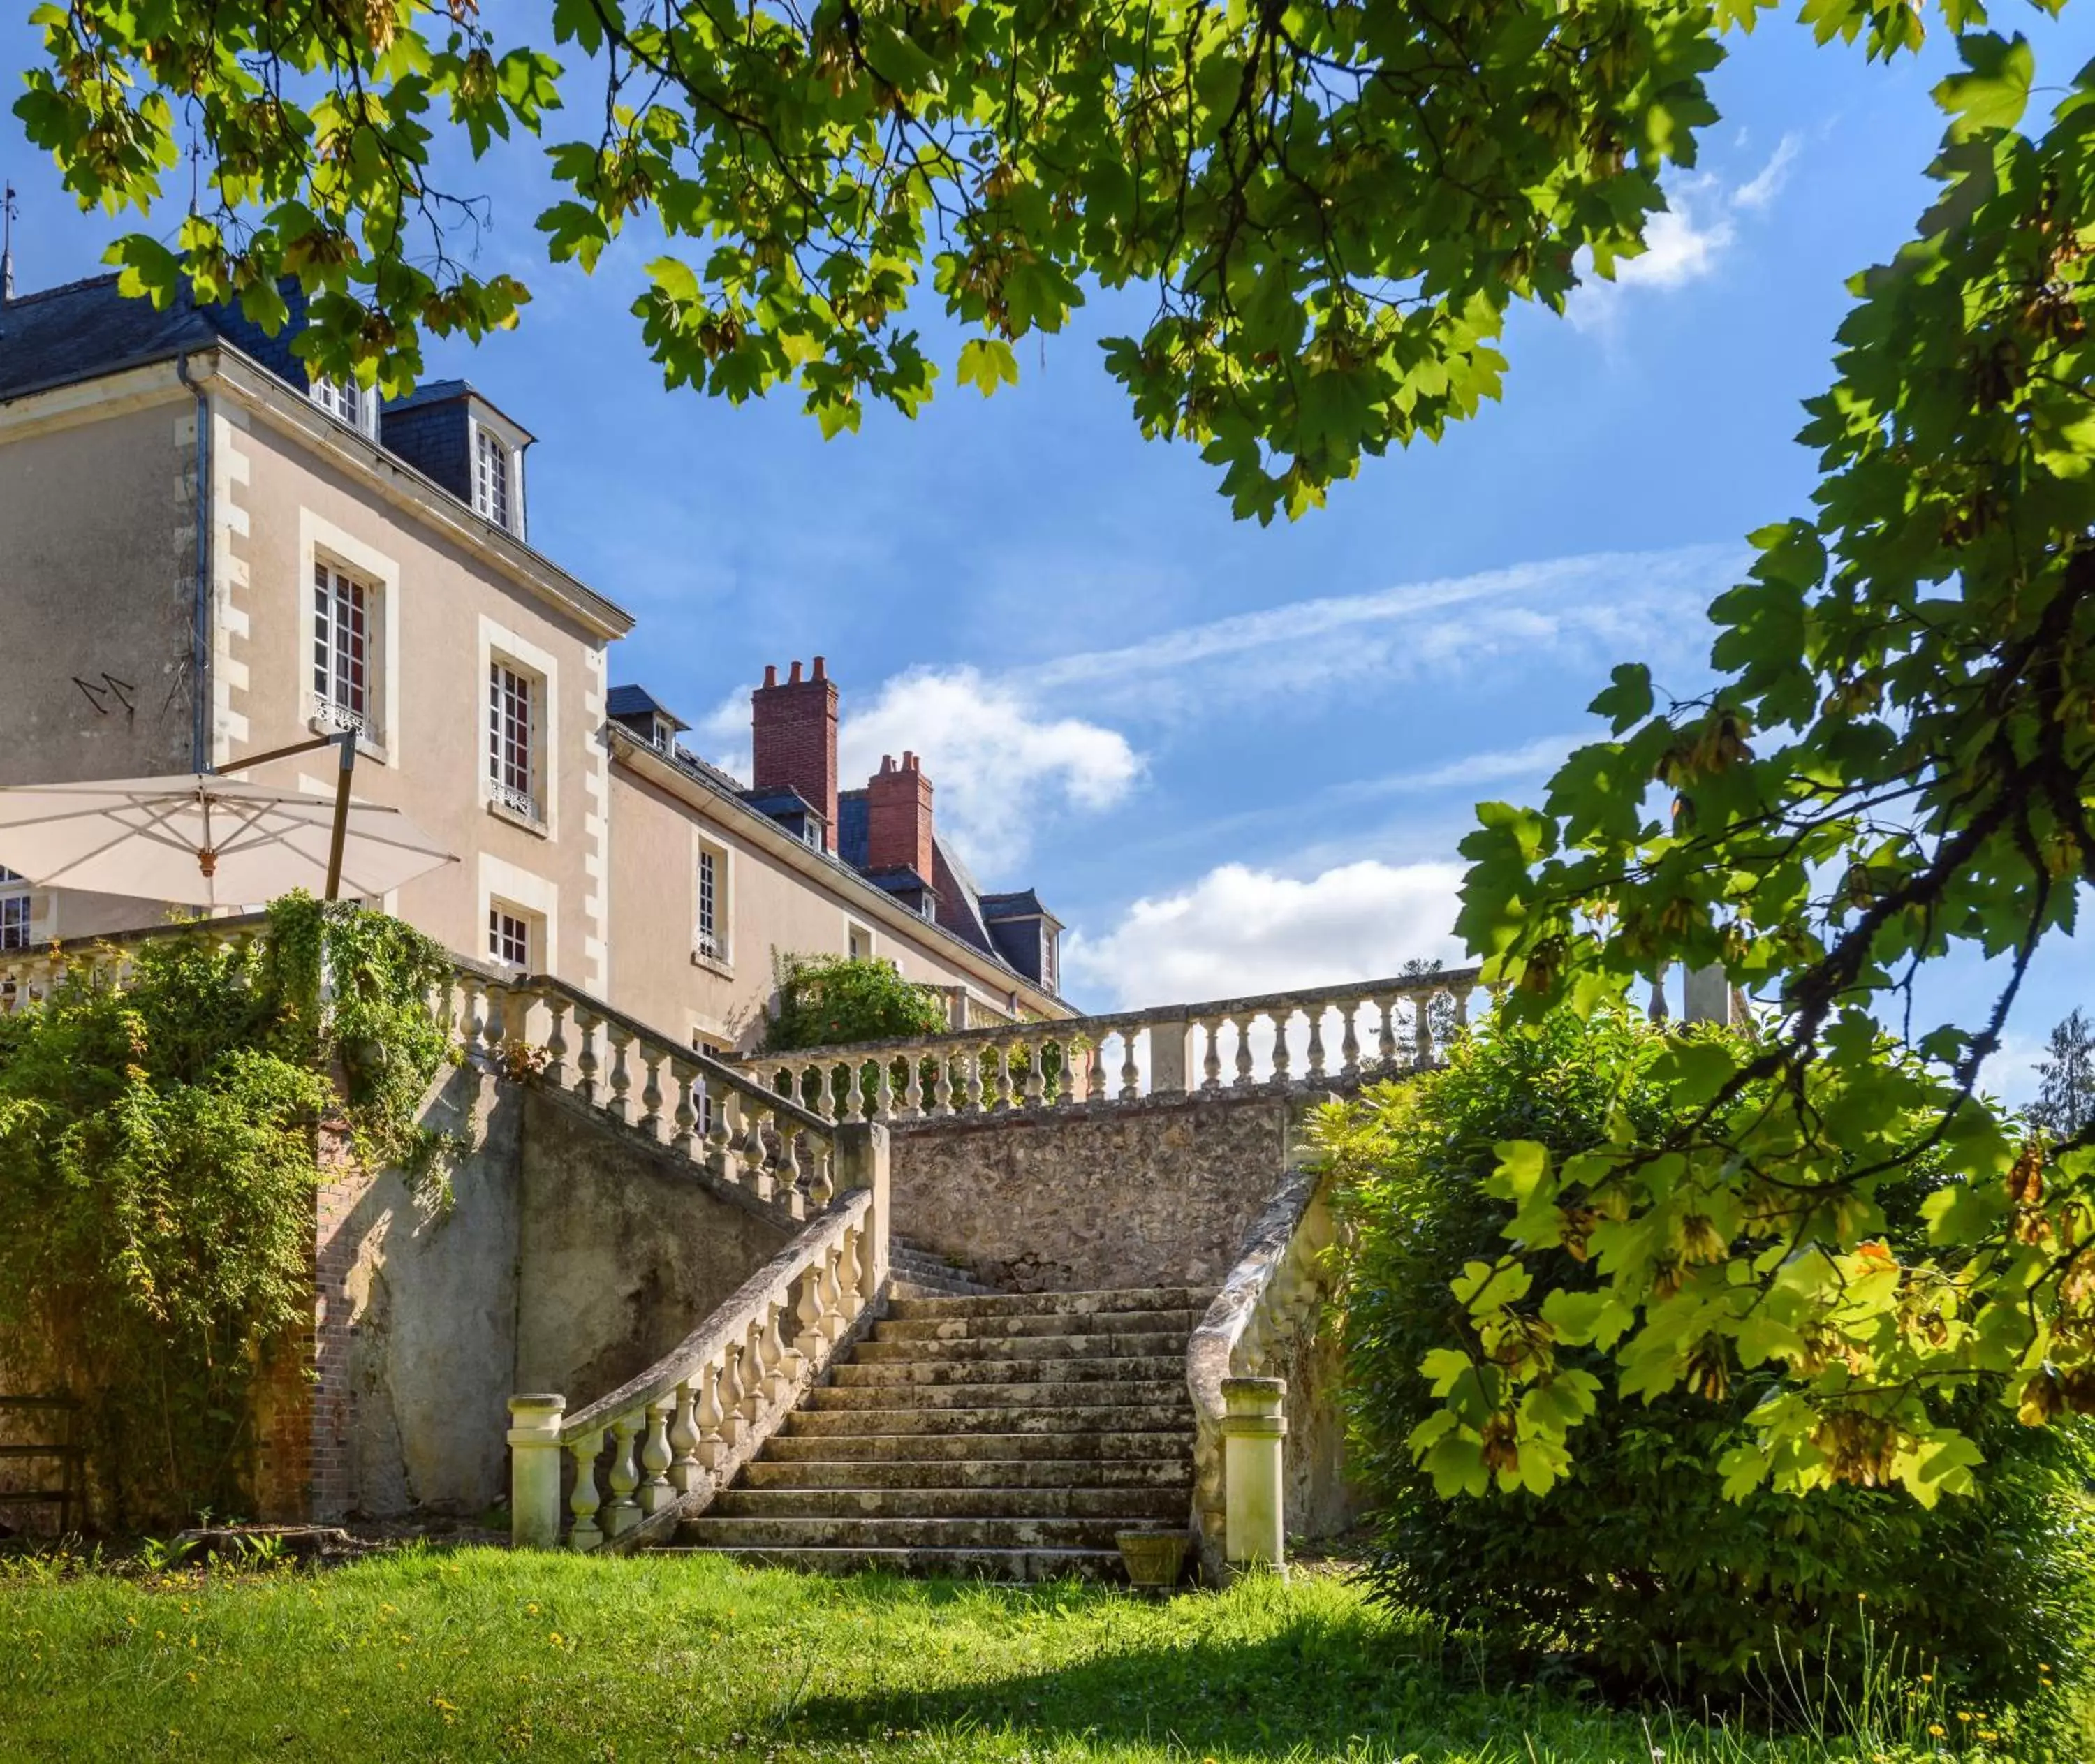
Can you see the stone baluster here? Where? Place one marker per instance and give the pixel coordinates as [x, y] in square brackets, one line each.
[721, 1157]
[707, 1416]
[686, 1471]
[556, 1041]
[623, 1512]
[1283, 1019]
[912, 1088]
[1316, 1049]
[1034, 1054]
[1421, 1007]
[1211, 1068]
[863, 1250]
[811, 1341]
[821, 1172]
[974, 1092]
[883, 1089]
[942, 1087]
[655, 1458]
[778, 1368]
[783, 1341]
[1349, 1046]
[583, 1501]
[619, 1104]
[1131, 1068]
[831, 1294]
[651, 1091]
[1386, 1041]
[493, 1031]
[1243, 1023]
[1461, 1008]
[469, 1024]
[756, 1149]
[729, 1395]
[755, 1376]
[789, 1159]
[683, 1075]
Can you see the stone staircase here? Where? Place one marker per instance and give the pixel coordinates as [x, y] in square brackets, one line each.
[1004, 1435]
[922, 1274]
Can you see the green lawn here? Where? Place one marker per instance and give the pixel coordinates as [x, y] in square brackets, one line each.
[482, 1654]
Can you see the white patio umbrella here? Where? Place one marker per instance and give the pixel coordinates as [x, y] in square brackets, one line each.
[207, 841]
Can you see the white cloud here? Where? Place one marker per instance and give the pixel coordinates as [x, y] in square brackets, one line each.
[1620, 602]
[1687, 240]
[1237, 932]
[997, 764]
[1766, 184]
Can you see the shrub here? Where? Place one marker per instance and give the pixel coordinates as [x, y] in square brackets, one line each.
[158, 1171]
[1637, 1566]
[825, 1001]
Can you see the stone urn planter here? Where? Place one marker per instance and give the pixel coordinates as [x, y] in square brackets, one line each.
[1155, 1560]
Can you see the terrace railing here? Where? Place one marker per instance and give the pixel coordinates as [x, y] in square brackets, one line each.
[1315, 1038]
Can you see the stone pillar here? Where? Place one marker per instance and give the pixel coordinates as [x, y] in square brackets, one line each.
[1253, 1425]
[1169, 1059]
[863, 1161]
[534, 1470]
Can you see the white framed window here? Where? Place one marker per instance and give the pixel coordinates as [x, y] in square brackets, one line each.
[345, 632]
[492, 496]
[509, 935]
[349, 401]
[15, 928]
[858, 941]
[709, 926]
[513, 696]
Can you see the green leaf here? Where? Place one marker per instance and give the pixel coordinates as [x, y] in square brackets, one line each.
[987, 363]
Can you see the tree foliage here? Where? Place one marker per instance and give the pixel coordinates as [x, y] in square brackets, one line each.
[1633, 1563]
[157, 1174]
[1334, 204]
[2065, 1105]
[1898, 761]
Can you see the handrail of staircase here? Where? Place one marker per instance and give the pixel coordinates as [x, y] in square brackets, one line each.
[679, 1430]
[1374, 1028]
[1240, 1418]
[28, 975]
[716, 1116]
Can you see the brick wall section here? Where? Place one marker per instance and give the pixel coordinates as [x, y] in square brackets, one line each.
[898, 818]
[794, 739]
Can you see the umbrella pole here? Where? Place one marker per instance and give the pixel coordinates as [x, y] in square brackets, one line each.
[347, 739]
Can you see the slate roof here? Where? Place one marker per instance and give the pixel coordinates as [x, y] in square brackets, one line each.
[1024, 904]
[85, 330]
[446, 391]
[631, 700]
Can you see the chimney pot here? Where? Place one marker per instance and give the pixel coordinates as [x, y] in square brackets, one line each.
[819, 673]
[794, 677]
[771, 675]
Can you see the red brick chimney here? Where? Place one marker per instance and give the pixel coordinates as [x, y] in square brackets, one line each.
[793, 730]
[898, 818]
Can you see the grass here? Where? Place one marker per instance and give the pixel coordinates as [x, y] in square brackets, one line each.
[484, 1654]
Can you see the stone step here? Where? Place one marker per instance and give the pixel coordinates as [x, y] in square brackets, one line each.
[923, 1374]
[1052, 1325]
[1034, 1416]
[907, 1534]
[1171, 1444]
[1169, 1343]
[977, 1393]
[954, 1564]
[902, 1288]
[1054, 1303]
[1130, 1506]
[1172, 1471]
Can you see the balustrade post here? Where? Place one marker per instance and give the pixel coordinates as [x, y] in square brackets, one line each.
[655, 1458]
[721, 1155]
[586, 1062]
[624, 1512]
[584, 1534]
[811, 1342]
[1211, 1068]
[1386, 1041]
[1244, 1022]
[651, 1092]
[1349, 1048]
[534, 1470]
[469, 1020]
[1316, 1050]
[883, 1089]
[707, 1416]
[831, 1292]
[864, 1156]
[493, 1031]
[756, 1375]
[1282, 1019]
[778, 1374]
[682, 1076]
[1423, 1030]
[556, 1041]
[728, 1394]
[1253, 1426]
[619, 1104]
[756, 1150]
[685, 1469]
[1131, 1067]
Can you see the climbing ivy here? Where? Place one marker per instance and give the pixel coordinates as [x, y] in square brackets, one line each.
[825, 1001]
[157, 1170]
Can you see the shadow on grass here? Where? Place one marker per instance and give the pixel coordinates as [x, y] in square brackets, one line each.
[1215, 1681]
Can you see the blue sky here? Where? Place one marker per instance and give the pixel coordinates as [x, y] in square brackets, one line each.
[1230, 758]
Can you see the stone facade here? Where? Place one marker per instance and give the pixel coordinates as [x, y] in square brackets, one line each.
[1153, 1193]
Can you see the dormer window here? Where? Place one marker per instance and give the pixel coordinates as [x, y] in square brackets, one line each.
[349, 401]
[490, 477]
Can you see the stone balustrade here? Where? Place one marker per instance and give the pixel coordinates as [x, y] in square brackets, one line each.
[719, 1116]
[29, 976]
[1321, 1037]
[1271, 1298]
[663, 1443]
